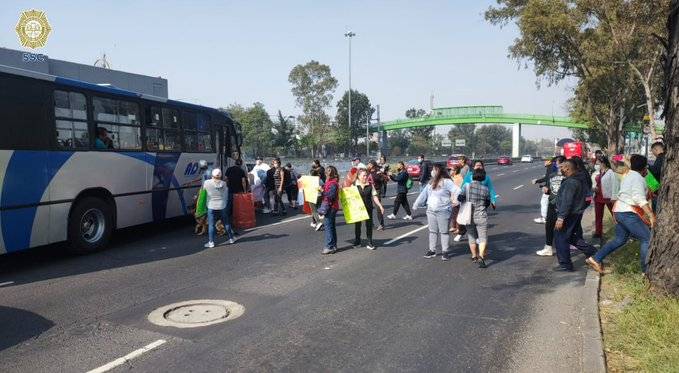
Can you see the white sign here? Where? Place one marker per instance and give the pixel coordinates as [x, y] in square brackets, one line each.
[459, 142]
[446, 142]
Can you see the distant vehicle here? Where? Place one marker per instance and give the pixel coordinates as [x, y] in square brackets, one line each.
[527, 159]
[504, 161]
[454, 161]
[413, 169]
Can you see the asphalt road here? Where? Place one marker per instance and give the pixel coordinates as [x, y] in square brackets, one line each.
[357, 310]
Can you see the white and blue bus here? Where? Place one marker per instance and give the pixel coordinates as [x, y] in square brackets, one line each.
[79, 160]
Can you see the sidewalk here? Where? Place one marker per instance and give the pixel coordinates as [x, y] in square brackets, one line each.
[563, 334]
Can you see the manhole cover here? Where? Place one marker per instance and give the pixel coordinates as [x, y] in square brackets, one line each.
[195, 313]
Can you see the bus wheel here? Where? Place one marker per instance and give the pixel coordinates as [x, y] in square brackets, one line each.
[90, 225]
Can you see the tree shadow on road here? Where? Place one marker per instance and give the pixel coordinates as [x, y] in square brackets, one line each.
[17, 325]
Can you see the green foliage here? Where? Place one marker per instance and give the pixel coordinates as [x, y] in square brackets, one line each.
[419, 132]
[284, 135]
[256, 127]
[493, 140]
[399, 139]
[313, 86]
[468, 134]
[361, 112]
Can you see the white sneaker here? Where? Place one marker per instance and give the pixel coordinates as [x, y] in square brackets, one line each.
[457, 238]
[546, 251]
[266, 211]
[407, 217]
[319, 226]
[370, 247]
[540, 220]
[391, 217]
[210, 245]
[313, 225]
[232, 241]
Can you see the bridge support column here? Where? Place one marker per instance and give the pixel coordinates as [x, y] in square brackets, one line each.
[384, 143]
[516, 140]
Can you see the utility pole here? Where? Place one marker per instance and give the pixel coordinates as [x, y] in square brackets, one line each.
[350, 35]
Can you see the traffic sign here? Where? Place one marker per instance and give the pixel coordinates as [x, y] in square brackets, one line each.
[459, 142]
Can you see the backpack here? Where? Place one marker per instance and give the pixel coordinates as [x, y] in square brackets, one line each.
[409, 183]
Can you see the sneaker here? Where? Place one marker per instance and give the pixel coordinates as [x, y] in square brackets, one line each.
[430, 254]
[356, 243]
[319, 226]
[327, 251]
[599, 267]
[313, 225]
[482, 263]
[210, 245]
[232, 241]
[370, 246]
[457, 238]
[444, 257]
[380, 227]
[540, 220]
[407, 217]
[546, 251]
[574, 250]
[266, 211]
[391, 217]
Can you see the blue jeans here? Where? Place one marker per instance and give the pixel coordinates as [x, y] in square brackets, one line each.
[571, 234]
[629, 224]
[330, 229]
[211, 223]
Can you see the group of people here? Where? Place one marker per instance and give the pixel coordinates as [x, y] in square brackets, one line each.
[620, 185]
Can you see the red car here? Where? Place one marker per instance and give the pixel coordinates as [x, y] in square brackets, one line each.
[454, 161]
[504, 161]
[413, 169]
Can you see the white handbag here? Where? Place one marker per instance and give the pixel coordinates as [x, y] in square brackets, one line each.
[464, 216]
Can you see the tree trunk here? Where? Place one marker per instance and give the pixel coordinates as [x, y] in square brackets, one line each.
[663, 259]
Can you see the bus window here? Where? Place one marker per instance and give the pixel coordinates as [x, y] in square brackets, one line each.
[162, 130]
[121, 120]
[196, 132]
[70, 111]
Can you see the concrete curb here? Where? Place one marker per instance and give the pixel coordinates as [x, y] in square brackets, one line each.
[593, 358]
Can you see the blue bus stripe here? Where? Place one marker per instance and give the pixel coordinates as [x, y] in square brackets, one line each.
[25, 184]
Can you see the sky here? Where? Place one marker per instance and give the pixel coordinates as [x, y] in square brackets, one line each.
[216, 53]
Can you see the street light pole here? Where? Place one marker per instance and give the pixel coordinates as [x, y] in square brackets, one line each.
[350, 35]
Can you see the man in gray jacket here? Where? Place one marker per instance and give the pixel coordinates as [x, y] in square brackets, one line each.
[570, 206]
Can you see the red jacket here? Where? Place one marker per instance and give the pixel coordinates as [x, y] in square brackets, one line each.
[331, 193]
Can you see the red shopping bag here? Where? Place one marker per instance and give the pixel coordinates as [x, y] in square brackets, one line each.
[307, 208]
[243, 211]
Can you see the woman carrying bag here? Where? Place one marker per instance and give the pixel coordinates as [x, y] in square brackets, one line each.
[440, 194]
[474, 214]
[329, 208]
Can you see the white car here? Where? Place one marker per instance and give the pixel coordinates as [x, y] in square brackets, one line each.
[526, 159]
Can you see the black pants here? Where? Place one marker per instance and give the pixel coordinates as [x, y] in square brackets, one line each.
[279, 207]
[550, 221]
[380, 215]
[292, 192]
[368, 229]
[568, 236]
[401, 199]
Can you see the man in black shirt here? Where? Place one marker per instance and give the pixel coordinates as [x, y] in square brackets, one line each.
[425, 171]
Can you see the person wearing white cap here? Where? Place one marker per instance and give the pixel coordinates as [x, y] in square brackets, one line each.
[217, 192]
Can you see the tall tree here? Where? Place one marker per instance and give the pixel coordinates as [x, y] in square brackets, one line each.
[284, 135]
[493, 139]
[256, 126]
[663, 259]
[361, 112]
[313, 86]
[419, 132]
[466, 132]
[596, 41]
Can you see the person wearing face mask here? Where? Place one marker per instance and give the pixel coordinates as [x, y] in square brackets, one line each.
[369, 197]
[603, 192]
[439, 196]
[401, 178]
[425, 171]
[487, 182]
[217, 192]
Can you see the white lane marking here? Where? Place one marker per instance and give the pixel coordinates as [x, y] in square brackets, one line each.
[278, 223]
[128, 357]
[520, 186]
[502, 174]
[516, 170]
[406, 235]
[6, 283]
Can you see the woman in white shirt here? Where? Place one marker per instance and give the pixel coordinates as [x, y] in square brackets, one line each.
[603, 192]
[628, 212]
[217, 192]
[439, 195]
